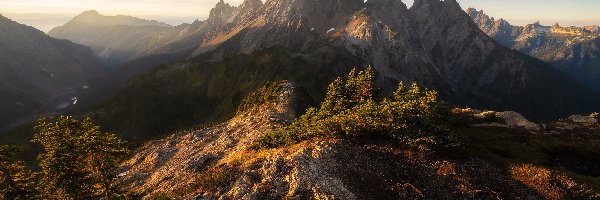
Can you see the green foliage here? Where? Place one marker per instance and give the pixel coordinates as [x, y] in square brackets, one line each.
[16, 182]
[181, 96]
[265, 94]
[78, 159]
[352, 109]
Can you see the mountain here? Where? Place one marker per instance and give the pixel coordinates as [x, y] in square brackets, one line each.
[574, 50]
[120, 39]
[115, 39]
[434, 43]
[37, 72]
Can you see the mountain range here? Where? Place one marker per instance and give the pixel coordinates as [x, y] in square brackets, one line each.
[573, 50]
[434, 43]
[36, 70]
[249, 104]
[208, 66]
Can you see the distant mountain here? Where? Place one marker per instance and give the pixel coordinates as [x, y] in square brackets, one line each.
[434, 43]
[574, 50]
[115, 39]
[36, 69]
[120, 39]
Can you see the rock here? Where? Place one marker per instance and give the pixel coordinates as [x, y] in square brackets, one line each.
[491, 125]
[582, 119]
[485, 114]
[514, 119]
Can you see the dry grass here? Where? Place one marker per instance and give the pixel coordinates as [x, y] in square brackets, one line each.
[549, 183]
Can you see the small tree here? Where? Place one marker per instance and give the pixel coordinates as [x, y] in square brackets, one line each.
[78, 159]
[16, 182]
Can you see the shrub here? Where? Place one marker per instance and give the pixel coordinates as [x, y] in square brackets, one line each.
[595, 115]
[352, 108]
[79, 160]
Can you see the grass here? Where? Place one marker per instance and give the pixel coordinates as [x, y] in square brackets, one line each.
[550, 183]
[554, 165]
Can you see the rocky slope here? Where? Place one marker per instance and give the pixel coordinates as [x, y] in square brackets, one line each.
[574, 50]
[36, 69]
[218, 162]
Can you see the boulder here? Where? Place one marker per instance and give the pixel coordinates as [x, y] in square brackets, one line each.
[582, 119]
[514, 119]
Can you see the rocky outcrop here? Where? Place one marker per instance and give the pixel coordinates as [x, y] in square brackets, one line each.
[514, 119]
[170, 164]
[506, 119]
[583, 119]
[218, 162]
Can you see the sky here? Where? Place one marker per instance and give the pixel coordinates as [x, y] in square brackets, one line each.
[46, 14]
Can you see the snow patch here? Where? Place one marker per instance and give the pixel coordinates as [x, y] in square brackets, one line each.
[122, 174]
[330, 30]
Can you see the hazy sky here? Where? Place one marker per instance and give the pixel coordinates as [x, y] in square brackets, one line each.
[36, 12]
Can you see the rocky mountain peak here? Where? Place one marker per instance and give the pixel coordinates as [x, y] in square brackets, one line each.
[90, 13]
[555, 25]
[594, 29]
[387, 9]
[221, 13]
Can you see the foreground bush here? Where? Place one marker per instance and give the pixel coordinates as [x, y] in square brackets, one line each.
[78, 162]
[353, 109]
[78, 159]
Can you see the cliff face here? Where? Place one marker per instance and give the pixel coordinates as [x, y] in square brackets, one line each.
[434, 43]
[574, 50]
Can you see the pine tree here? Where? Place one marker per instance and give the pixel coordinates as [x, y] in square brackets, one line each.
[78, 158]
[365, 86]
[16, 181]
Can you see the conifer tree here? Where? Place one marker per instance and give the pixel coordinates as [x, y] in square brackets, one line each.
[78, 159]
[16, 181]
